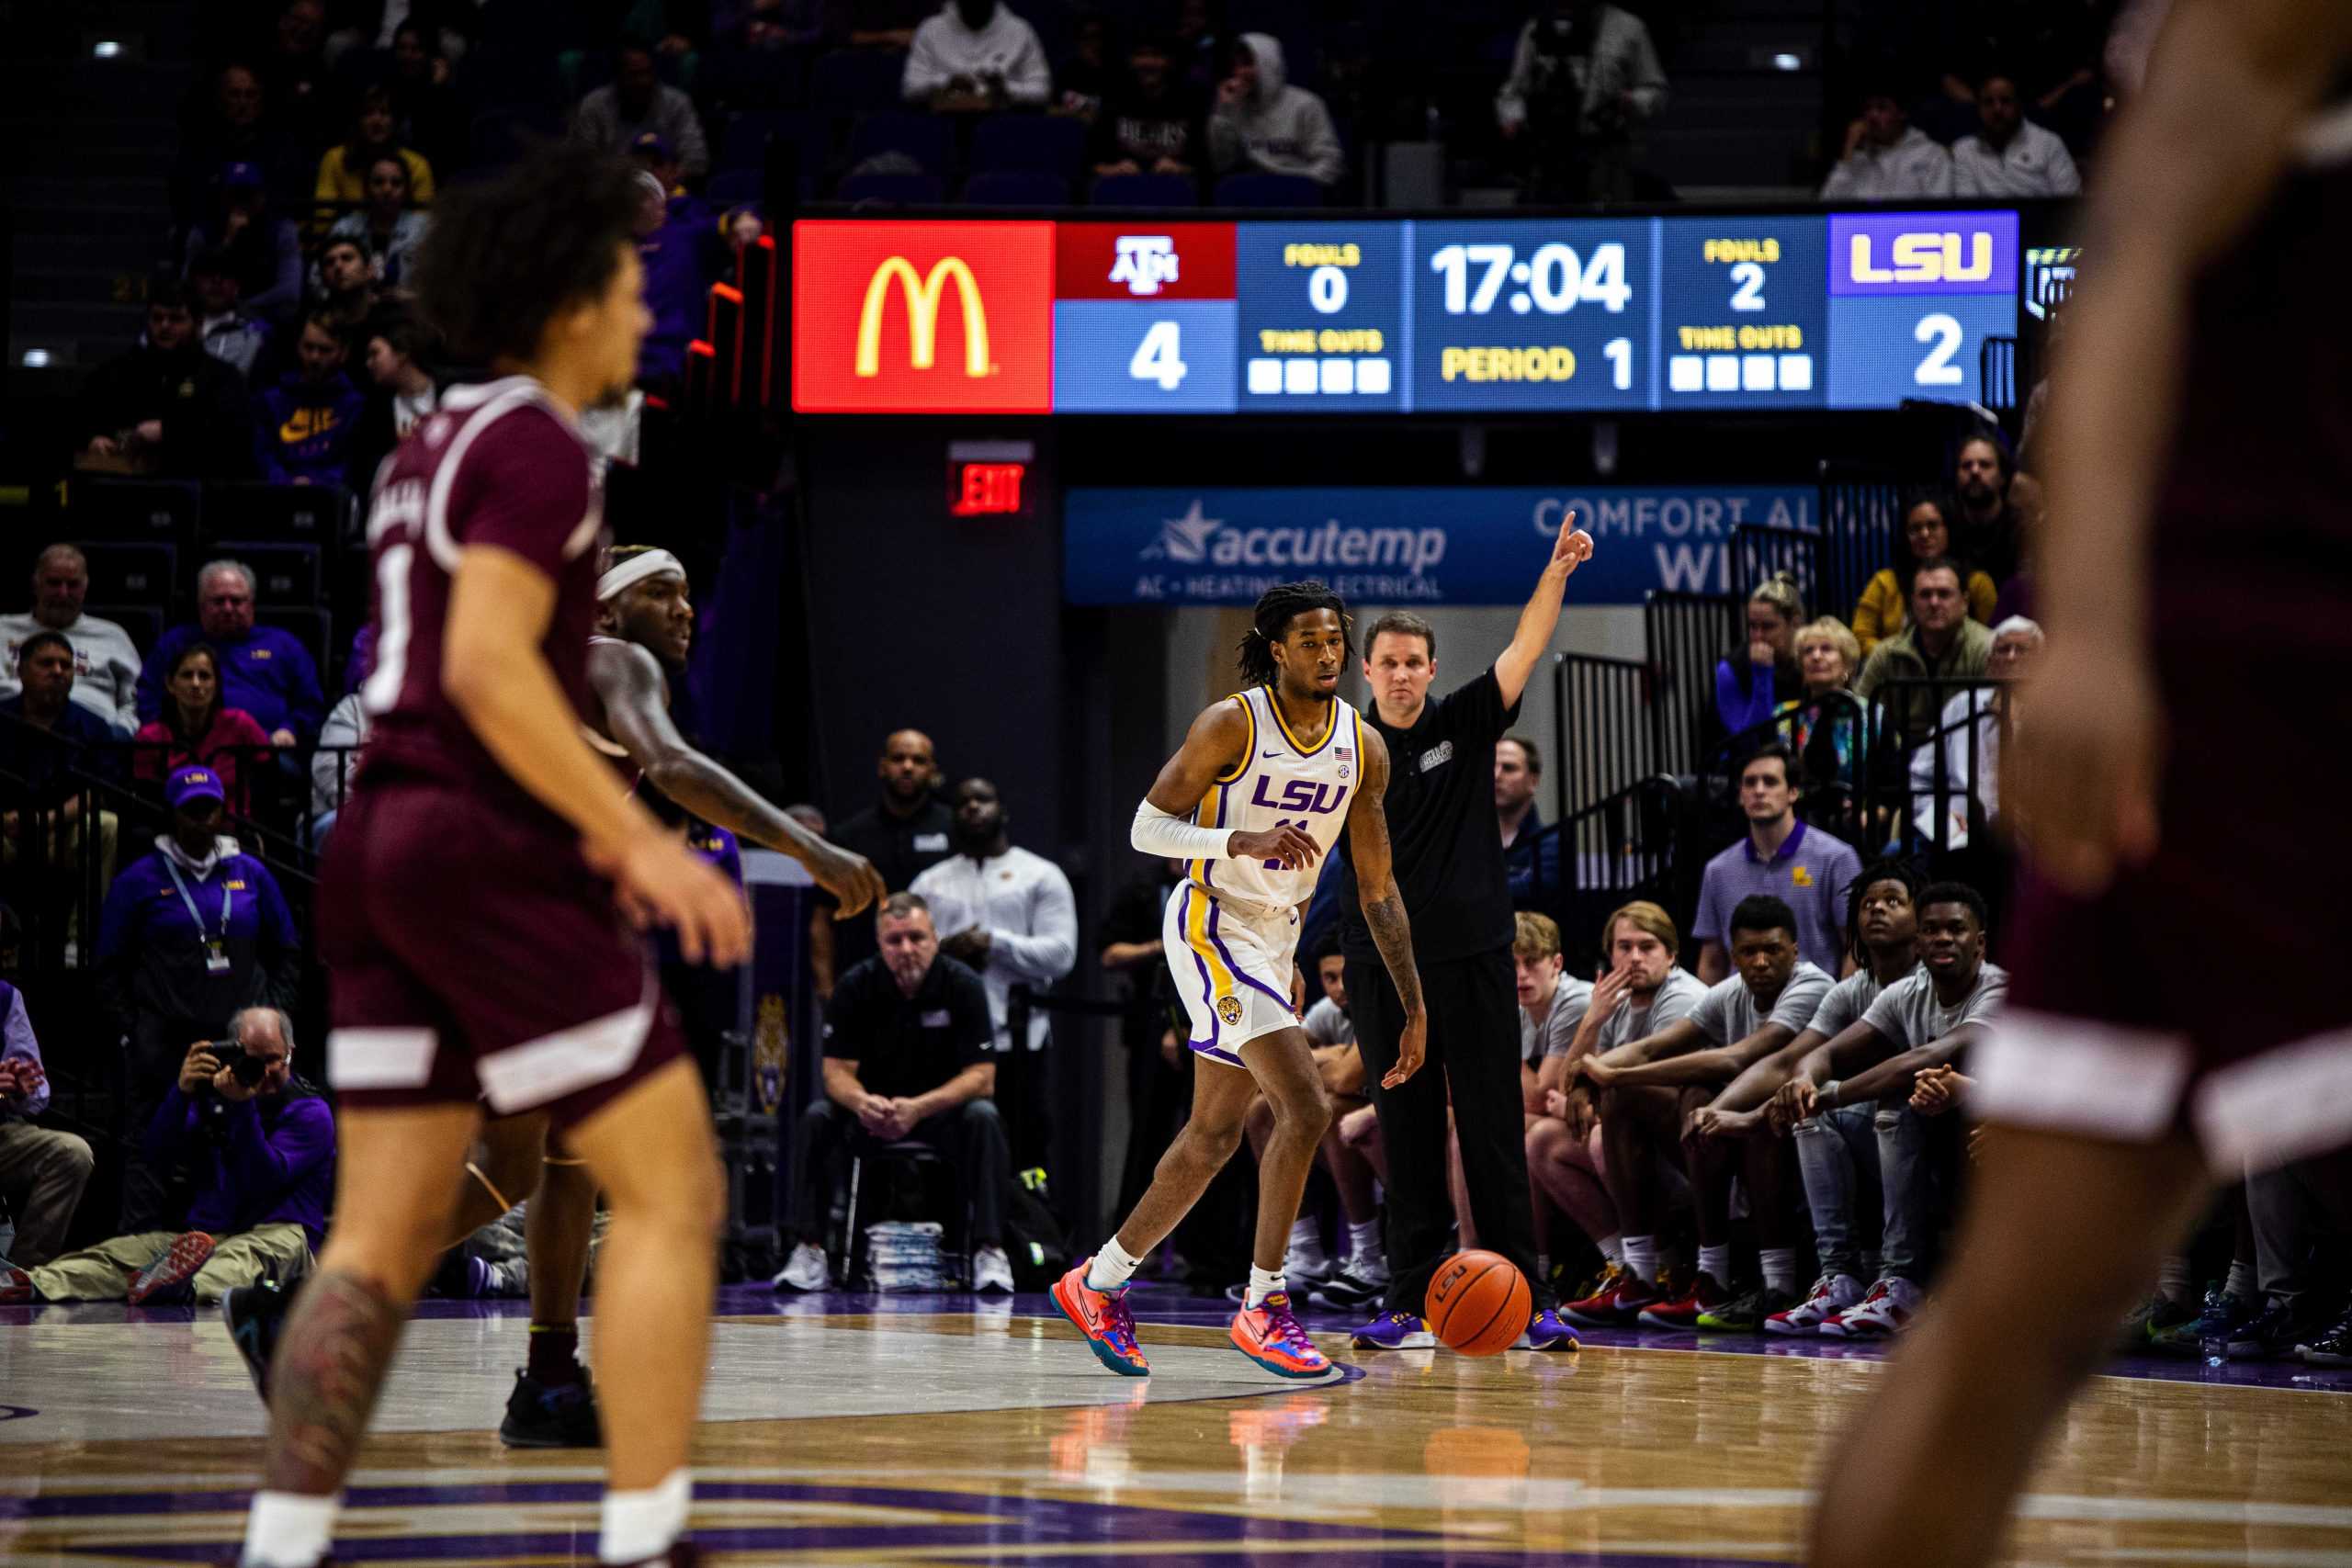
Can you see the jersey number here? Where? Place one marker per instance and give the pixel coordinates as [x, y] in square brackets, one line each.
[1301, 825]
[383, 687]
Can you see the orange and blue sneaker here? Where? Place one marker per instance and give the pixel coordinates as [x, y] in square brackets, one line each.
[1271, 1337]
[1102, 1316]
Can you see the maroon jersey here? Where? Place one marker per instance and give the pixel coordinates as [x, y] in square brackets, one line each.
[498, 464]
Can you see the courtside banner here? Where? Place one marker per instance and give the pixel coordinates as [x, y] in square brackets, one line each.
[1407, 546]
[922, 318]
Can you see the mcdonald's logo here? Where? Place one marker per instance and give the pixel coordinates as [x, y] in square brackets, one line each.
[923, 301]
[897, 317]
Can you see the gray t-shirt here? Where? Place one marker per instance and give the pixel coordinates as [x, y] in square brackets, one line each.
[1909, 1014]
[1681, 992]
[1326, 1025]
[1570, 997]
[1847, 1001]
[1727, 1012]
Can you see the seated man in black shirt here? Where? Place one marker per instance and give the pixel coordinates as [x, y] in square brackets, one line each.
[907, 1036]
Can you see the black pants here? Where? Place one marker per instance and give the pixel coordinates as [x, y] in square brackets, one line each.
[970, 1138]
[1472, 1054]
[1021, 1079]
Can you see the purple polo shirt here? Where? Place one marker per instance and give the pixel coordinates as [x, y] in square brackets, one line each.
[1812, 871]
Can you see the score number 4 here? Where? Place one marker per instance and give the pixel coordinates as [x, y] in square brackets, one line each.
[1159, 357]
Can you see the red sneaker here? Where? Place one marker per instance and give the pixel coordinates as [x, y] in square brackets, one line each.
[174, 1267]
[1683, 1309]
[1616, 1304]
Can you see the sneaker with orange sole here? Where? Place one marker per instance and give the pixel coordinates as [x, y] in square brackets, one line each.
[169, 1275]
[1102, 1316]
[1269, 1334]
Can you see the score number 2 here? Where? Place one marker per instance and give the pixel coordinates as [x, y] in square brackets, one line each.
[1937, 369]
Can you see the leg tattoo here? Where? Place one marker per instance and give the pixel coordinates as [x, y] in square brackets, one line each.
[338, 1345]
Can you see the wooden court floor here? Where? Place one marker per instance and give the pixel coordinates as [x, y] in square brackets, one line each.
[838, 1433]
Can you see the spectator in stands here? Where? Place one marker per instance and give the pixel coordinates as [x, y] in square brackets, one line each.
[1150, 124]
[386, 228]
[345, 169]
[1929, 1019]
[636, 101]
[1988, 533]
[1886, 157]
[1551, 1003]
[673, 248]
[2009, 156]
[1009, 915]
[226, 332]
[197, 729]
[907, 1059]
[1832, 742]
[1083, 78]
[343, 293]
[261, 1142]
[400, 392]
[167, 408]
[1941, 643]
[263, 670]
[106, 661]
[1926, 535]
[264, 251]
[976, 56]
[42, 1170]
[45, 740]
[1262, 124]
[336, 762]
[190, 934]
[231, 128]
[1531, 856]
[1583, 76]
[296, 77]
[1957, 776]
[904, 834]
[1749, 690]
[1196, 50]
[309, 420]
[429, 114]
[1803, 866]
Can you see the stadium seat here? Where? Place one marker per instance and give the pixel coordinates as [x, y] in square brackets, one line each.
[144, 622]
[760, 78]
[745, 143]
[1268, 190]
[284, 574]
[315, 629]
[297, 515]
[1145, 190]
[126, 573]
[1050, 144]
[902, 190]
[1016, 188]
[848, 79]
[921, 137]
[158, 510]
[737, 187]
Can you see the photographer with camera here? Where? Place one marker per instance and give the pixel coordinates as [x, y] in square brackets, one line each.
[262, 1144]
[1583, 76]
[190, 933]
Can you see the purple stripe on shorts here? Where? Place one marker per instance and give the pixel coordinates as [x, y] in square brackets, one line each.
[1238, 973]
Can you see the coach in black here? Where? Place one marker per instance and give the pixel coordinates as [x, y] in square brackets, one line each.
[1449, 861]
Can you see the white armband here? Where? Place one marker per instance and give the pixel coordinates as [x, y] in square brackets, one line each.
[1157, 833]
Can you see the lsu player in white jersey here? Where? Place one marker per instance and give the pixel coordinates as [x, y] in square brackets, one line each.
[1256, 796]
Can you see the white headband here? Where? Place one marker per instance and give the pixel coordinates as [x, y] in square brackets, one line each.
[635, 569]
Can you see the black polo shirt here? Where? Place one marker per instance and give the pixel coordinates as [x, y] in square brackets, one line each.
[906, 1045]
[902, 848]
[1445, 843]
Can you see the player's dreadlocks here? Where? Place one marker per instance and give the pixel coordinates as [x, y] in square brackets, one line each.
[1277, 607]
[1887, 868]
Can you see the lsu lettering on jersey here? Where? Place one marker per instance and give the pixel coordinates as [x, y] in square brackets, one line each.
[1231, 928]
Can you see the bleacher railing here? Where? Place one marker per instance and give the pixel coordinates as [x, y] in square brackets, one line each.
[1687, 634]
[1861, 511]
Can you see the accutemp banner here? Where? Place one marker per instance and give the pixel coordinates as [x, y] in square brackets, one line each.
[1407, 546]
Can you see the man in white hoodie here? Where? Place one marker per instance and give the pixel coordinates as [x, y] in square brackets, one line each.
[106, 661]
[976, 54]
[1888, 158]
[1582, 77]
[1263, 125]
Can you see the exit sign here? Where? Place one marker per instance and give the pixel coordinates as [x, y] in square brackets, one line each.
[989, 489]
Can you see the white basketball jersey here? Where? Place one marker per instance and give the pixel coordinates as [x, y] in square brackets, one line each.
[1278, 782]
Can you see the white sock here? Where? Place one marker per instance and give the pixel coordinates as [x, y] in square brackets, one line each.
[1613, 1248]
[1779, 1268]
[2243, 1283]
[1365, 1251]
[286, 1529]
[1715, 1260]
[1543, 1265]
[1263, 1282]
[2172, 1278]
[1641, 1257]
[639, 1525]
[1113, 1266]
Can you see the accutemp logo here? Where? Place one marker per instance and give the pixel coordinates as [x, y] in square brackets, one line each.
[1146, 263]
[1197, 539]
[896, 317]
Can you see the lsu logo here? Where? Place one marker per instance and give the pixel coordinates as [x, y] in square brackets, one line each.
[1230, 1010]
[1299, 795]
[1925, 258]
[924, 299]
[1923, 253]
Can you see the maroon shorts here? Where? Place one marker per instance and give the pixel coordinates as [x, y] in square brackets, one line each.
[473, 954]
[2200, 991]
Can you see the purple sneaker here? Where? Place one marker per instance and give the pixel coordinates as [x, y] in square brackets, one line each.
[1393, 1331]
[1546, 1332]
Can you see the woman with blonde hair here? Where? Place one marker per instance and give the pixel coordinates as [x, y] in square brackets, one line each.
[1750, 686]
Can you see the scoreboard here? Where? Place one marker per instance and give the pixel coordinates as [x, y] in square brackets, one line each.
[1505, 315]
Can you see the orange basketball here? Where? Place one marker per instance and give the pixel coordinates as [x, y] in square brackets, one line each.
[1478, 1305]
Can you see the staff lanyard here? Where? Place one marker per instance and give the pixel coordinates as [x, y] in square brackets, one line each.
[227, 899]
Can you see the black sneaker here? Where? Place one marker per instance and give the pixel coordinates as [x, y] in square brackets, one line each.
[2331, 1346]
[539, 1416]
[1745, 1313]
[2269, 1335]
[1348, 1290]
[255, 1317]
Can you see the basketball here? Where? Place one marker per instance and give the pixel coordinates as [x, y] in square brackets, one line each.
[1478, 1305]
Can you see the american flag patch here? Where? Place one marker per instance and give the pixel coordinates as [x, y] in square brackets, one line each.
[1343, 754]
